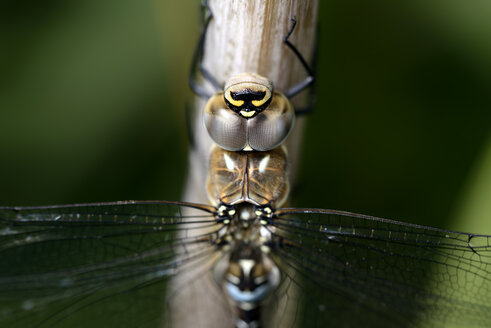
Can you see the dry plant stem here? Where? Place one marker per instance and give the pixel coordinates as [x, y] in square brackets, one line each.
[243, 36]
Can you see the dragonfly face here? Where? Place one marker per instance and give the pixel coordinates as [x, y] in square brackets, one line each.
[248, 94]
[248, 115]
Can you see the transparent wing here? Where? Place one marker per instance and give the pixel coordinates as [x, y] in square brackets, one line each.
[97, 264]
[350, 270]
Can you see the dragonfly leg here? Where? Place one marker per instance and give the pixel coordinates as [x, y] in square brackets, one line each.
[198, 60]
[309, 80]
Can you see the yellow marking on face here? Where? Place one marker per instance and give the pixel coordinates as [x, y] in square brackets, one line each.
[247, 114]
[236, 103]
[247, 148]
[259, 103]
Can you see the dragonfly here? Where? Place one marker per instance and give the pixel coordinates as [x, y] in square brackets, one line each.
[132, 263]
[111, 264]
[108, 264]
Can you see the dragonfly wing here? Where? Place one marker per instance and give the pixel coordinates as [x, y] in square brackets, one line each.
[353, 270]
[97, 264]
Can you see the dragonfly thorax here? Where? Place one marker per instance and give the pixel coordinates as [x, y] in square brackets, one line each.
[258, 178]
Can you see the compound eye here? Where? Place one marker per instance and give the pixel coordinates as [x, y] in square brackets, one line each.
[272, 126]
[227, 129]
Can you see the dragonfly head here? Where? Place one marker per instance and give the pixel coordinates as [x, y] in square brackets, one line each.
[248, 115]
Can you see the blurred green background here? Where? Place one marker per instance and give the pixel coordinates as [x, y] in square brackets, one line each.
[93, 93]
